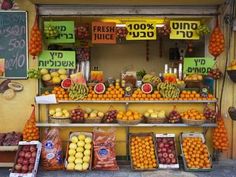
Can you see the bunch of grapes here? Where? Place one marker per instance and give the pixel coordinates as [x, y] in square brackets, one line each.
[110, 116]
[83, 32]
[77, 116]
[210, 114]
[174, 117]
[121, 32]
[203, 30]
[83, 54]
[34, 74]
[50, 31]
[164, 31]
[215, 73]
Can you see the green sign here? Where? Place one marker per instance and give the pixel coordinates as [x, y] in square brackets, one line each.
[141, 31]
[198, 65]
[65, 29]
[54, 59]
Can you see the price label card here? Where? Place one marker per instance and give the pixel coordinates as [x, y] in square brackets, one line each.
[184, 29]
[55, 59]
[141, 31]
[198, 65]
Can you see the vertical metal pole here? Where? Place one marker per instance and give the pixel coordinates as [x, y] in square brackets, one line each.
[127, 135]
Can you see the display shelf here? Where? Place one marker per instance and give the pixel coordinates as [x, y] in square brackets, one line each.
[6, 164]
[8, 148]
[139, 102]
[119, 125]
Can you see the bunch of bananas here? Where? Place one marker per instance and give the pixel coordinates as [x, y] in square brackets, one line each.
[78, 91]
[150, 78]
[203, 30]
[168, 90]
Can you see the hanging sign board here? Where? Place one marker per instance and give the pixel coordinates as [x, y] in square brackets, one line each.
[184, 29]
[141, 31]
[65, 29]
[198, 65]
[13, 44]
[55, 59]
[103, 33]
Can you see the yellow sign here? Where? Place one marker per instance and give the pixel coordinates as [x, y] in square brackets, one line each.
[184, 29]
[141, 31]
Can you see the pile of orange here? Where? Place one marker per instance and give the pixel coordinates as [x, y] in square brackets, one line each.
[196, 153]
[129, 115]
[193, 95]
[113, 92]
[139, 95]
[193, 114]
[143, 152]
[61, 94]
[220, 138]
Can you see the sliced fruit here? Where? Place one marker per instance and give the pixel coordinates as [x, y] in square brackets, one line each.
[99, 88]
[147, 88]
[66, 83]
[9, 94]
[15, 86]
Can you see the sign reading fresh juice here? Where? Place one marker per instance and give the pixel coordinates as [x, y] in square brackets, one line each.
[65, 29]
[141, 31]
[55, 59]
[198, 65]
[184, 29]
[103, 33]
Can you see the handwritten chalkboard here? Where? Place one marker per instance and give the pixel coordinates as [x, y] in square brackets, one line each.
[14, 43]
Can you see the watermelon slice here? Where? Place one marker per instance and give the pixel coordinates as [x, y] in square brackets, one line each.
[147, 88]
[99, 88]
[66, 83]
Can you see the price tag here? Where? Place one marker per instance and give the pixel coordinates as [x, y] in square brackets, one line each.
[184, 29]
[141, 31]
[55, 59]
[198, 65]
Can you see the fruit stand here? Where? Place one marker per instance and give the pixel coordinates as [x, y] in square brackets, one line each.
[107, 95]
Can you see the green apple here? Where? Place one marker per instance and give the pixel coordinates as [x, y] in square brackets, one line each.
[78, 160]
[88, 140]
[81, 143]
[72, 152]
[80, 149]
[70, 166]
[79, 155]
[85, 166]
[87, 152]
[72, 146]
[87, 146]
[81, 137]
[79, 167]
[74, 139]
[86, 158]
[71, 159]
[43, 71]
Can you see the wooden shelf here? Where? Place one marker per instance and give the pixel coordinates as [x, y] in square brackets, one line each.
[8, 148]
[6, 164]
[119, 125]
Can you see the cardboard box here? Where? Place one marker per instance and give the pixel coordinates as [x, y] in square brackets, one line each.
[34, 172]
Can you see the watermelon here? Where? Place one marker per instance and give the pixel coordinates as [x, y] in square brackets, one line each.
[147, 88]
[66, 83]
[99, 88]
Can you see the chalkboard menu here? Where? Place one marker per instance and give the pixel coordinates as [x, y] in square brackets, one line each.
[14, 43]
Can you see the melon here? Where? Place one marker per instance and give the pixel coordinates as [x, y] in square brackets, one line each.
[147, 88]
[66, 83]
[99, 88]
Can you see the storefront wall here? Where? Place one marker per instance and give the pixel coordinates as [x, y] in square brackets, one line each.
[14, 113]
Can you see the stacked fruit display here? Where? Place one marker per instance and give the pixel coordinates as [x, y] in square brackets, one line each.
[194, 77]
[220, 138]
[61, 94]
[77, 115]
[142, 150]
[194, 95]
[53, 77]
[195, 153]
[139, 95]
[26, 159]
[79, 152]
[174, 117]
[59, 113]
[166, 151]
[151, 78]
[193, 114]
[168, 90]
[110, 116]
[129, 116]
[170, 77]
[215, 73]
[78, 91]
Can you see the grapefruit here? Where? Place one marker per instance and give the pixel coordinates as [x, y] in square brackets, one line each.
[99, 88]
[66, 83]
[147, 88]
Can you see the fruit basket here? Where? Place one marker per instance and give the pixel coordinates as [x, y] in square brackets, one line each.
[232, 75]
[59, 120]
[193, 122]
[155, 120]
[78, 148]
[167, 151]
[149, 140]
[194, 83]
[129, 122]
[93, 120]
[194, 135]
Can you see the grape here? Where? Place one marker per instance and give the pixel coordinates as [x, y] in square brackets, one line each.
[110, 116]
[34, 74]
[165, 30]
[203, 30]
[215, 73]
[210, 114]
[50, 31]
[83, 32]
[174, 117]
[77, 116]
[121, 32]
